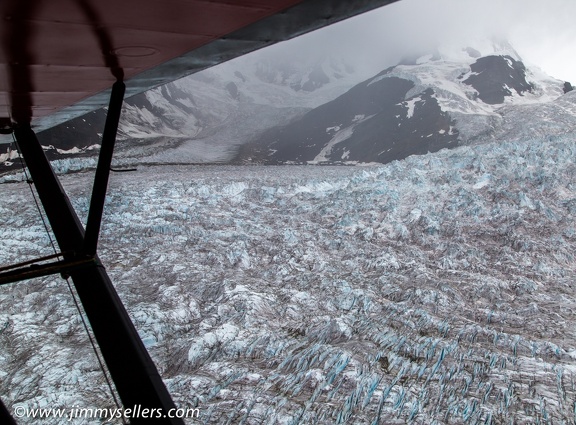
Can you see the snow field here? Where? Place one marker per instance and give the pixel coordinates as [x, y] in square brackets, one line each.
[438, 289]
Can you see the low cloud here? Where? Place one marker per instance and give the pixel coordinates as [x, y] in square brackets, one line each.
[541, 31]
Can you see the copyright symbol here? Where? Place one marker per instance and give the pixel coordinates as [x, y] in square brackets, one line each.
[20, 411]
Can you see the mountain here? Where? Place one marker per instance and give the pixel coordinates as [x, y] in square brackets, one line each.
[204, 117]
[275, 110]
[210, 114]
[426, 103]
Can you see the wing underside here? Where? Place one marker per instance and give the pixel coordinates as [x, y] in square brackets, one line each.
[58, 59]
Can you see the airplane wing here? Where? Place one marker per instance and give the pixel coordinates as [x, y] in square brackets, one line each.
[59, 58]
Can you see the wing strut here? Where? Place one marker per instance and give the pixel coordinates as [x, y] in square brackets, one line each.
[5, 415]
[135, 375]
[103, 169]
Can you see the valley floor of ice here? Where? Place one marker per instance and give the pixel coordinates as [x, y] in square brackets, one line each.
[435, 290]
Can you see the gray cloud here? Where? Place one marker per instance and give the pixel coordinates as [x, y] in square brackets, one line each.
[542, 31]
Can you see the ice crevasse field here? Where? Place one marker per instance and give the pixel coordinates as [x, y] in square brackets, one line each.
[438, 289]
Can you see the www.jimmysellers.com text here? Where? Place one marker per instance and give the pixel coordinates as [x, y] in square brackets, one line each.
[136, 412]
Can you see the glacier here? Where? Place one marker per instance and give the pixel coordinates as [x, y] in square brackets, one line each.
[438, 289]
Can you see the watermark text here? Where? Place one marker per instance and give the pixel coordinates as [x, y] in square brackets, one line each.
[136, 412]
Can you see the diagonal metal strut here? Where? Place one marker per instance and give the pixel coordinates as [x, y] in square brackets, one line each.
[103, 169]
[135, 375]
[39, 270]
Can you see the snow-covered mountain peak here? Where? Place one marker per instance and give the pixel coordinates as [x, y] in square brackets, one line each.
[429, 101]
[473, 49]
[504, 48]
[287, 81]
[463, 52]
[307, 76]
[483, 76]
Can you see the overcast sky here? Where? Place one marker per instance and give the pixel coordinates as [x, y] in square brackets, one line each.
[543, 32]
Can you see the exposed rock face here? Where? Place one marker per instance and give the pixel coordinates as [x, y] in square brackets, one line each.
[77, 134]
[495, 76]
[373, 122]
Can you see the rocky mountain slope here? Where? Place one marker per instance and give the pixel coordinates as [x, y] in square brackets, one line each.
[426, 103]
